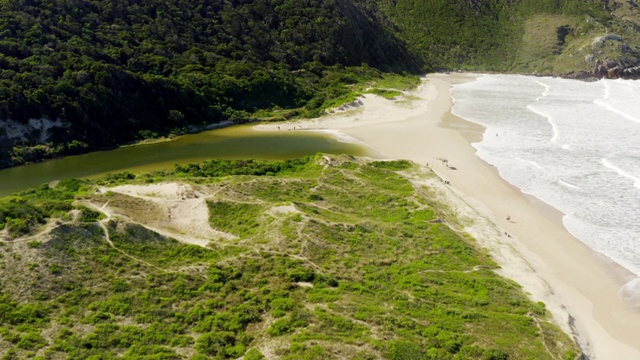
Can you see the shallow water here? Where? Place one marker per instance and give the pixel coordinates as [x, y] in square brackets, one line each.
[236, 142]
[575, 145]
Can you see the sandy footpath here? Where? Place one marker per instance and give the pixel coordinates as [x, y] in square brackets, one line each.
[578, 286]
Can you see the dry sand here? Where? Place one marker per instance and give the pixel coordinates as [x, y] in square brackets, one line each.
[182, 211]
[579, 288]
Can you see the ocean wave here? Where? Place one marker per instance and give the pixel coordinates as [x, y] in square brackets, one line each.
[605, 102]
[591, 167]
[608, 164]
[569, 185]
[546, 91]
[533, 108]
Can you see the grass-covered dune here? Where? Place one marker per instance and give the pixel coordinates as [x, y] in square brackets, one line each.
[326, 257]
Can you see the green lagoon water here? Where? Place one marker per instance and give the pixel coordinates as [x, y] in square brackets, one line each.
[236, 142]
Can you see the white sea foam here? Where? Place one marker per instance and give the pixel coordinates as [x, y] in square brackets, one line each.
[615, 98]
[610, 165]
[570, 144]
[570, 186]
[532, 107]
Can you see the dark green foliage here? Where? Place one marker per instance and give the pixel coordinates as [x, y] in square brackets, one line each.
[155, 352]
[253, 354]
[19, 217]
[288, 324]
[402, 350]
[395, 165]
[495, 354]
[539, 308]
[89, 215]
[219, 168]
[140, 241]
[237, 218]
[114, 178]
[13, 313]
[123, 70]
[31, 341]
[28, 209]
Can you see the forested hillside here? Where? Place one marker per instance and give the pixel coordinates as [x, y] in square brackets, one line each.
[77, 75]
[121, 70]
[475, 34]
[579, 38]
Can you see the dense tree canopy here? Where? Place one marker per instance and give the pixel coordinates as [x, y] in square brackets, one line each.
[117, 71]
[120, 70]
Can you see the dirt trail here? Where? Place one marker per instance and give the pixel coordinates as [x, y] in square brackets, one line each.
[108, 239]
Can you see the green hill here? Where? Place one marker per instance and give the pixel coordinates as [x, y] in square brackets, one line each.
[76, 76]
[550, 37]
[118, 71]
[326, 257]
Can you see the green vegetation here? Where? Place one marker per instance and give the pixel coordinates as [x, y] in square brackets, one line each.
[348, 264]
[119, 71]
[19, 214]
[219, 168]
[236, 218]
[487, 35]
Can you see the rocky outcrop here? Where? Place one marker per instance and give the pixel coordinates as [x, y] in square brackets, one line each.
[31, 141]
[616, 69]
[609, 69]
[34, 131]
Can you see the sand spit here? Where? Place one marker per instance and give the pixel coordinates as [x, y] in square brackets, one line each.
[532, 247]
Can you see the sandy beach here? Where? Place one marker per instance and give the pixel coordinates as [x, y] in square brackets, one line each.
[579, 286]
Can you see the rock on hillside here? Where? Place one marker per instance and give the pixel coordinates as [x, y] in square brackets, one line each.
[615, 50]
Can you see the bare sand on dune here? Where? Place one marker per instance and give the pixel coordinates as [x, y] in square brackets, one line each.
[172, 209]
[578, 287]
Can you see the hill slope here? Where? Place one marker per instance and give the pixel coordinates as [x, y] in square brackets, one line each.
[542, 36]
[317, 258]
[82, 75]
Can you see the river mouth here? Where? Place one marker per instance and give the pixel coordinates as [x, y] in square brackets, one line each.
[235, 142]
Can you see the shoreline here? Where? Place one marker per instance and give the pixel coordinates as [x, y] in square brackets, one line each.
[578, 285]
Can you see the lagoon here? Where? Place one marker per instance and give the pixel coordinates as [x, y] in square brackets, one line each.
[235, 142]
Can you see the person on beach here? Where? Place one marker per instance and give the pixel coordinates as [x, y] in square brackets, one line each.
[508, 217]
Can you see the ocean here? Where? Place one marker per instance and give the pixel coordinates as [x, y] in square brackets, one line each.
[574, 145]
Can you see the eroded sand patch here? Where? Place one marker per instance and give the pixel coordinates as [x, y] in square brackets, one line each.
[172, 209]
[283, 210]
